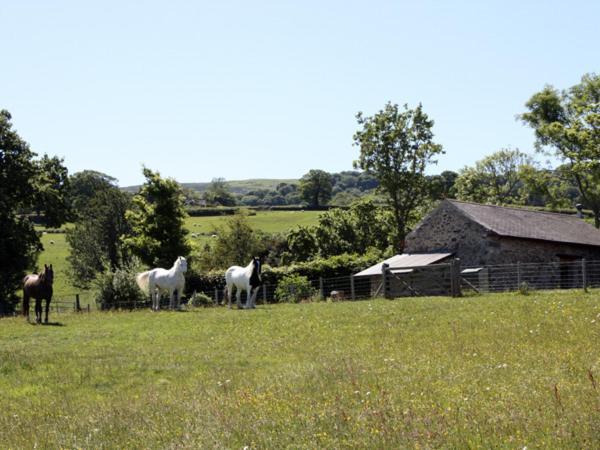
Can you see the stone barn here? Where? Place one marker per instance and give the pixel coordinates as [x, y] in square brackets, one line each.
[486, 235]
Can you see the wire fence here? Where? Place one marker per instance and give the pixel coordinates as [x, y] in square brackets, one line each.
[448, 279]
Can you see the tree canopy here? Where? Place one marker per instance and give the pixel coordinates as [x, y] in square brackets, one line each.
[158, 235]
[26, 184]
[316, 187]
[567, 124]
[396, 145]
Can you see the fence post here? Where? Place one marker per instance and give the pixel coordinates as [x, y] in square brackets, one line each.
[455, 277]
[386, 280]
[321, 288]
[216, 296]
[88, 307]
[584, 274]
[352, 296]
[264, 289]
[518, 275]
[77, 304]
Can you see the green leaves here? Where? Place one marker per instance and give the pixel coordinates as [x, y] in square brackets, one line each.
[567, 124]
[396, 146]
[157, 235]
[316, 187]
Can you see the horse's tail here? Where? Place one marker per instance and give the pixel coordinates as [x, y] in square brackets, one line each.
[142, 281]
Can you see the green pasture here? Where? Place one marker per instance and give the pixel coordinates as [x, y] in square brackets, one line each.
[496, 371]
[267, 221]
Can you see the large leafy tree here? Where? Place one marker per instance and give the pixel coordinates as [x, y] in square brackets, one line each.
[26, 184]
[396, 145]
[85, 185]
[496, 179]
[158, 235]
[218, 193]
[567, 124]
[315, 187]
[95, 240]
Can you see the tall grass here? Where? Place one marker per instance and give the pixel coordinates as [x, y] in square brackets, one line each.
[501, 371]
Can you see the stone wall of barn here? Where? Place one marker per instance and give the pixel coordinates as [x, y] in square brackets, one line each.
[447, 229]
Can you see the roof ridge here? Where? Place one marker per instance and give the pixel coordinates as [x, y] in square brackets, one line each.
[513, 207]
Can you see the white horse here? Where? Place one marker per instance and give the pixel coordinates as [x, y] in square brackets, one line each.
[243, 278]
[156, 281]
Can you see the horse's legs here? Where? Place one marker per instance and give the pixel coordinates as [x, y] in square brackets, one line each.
[253, 297]
[171, 298]
[228, 294]
[38, 310]
[238, 295]
[26, 306]
[47, 308]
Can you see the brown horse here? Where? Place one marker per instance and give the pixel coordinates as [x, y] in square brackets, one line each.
[40, 288]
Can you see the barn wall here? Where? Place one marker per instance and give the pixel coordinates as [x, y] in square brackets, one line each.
[447, 229]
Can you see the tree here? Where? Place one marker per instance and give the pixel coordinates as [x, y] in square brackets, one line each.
[158, 235]
[315, 187]
[396, 146]
[495, 179]
[24, 185]
[95, 240]
[442, 186]
[85, 185]
[218, 193]
[235, 244]
[567, 123]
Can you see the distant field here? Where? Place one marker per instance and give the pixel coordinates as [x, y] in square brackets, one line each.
[269, 221]
[236, 186]
[497, 371]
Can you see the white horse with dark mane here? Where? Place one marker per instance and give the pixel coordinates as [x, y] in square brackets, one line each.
[157, 281]
[243, 279]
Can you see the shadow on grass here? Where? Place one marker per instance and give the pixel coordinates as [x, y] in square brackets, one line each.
[49, 324]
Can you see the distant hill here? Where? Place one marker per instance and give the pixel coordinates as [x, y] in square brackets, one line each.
[236, 186]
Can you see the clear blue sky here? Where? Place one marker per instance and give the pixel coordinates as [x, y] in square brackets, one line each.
[269, 89]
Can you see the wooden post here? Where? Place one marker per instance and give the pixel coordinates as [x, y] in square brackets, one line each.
[455, 277]
[321, 288]
[385, 273]
[216, 296]
[88, 307]
[584, 274]
[264, 289]
[352, 294]
[519, 275]
[77, 303]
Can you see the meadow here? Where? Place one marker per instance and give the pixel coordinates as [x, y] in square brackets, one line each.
[495, 371]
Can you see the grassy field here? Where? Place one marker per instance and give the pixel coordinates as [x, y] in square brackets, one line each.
[268, 221]
[498, 371]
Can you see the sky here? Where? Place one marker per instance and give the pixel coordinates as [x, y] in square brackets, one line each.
[270, 89]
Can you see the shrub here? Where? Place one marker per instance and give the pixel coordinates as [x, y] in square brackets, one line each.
[118, 289]
[293, 289]
[198, 299]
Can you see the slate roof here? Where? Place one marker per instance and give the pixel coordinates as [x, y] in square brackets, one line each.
[404, 260]
[528, 224]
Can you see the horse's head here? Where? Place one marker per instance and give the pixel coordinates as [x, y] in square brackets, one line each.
[257, 266]
[48, 274]
[181, 264]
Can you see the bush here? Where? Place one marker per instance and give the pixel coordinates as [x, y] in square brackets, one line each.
[293, 289]
[198, 299]
[118, 289]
